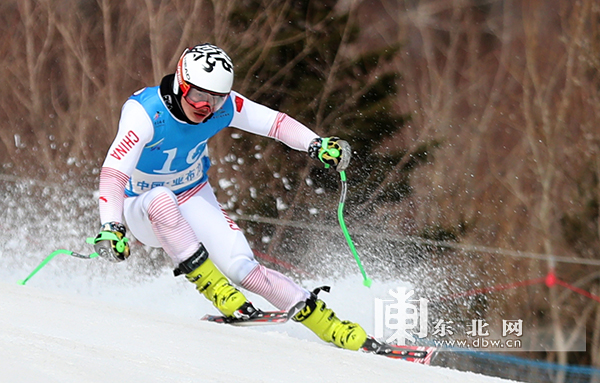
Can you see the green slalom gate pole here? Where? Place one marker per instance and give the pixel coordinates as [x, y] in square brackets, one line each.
[366, 280]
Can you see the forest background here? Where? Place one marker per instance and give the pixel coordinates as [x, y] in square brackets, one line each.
[473, 125]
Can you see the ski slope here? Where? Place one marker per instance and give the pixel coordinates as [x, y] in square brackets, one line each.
[107, 331]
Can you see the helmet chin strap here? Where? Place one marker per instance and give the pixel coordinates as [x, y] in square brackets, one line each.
[176, 89]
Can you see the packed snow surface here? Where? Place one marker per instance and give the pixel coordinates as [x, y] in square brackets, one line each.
[93, 327]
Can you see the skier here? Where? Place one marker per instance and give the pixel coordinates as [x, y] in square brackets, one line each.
[155, 175]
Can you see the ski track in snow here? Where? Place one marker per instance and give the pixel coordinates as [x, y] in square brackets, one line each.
[86, 328]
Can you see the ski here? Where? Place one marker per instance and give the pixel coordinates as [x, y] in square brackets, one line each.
[416, 354]
[261, 319]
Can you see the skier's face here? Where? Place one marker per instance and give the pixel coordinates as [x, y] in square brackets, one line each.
[193, 114]
[201, 103]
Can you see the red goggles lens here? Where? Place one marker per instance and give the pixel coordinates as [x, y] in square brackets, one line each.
[199, 99]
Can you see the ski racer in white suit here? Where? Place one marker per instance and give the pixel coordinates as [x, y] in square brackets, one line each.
[155, 175]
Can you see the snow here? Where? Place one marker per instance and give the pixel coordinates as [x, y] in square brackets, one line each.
[99, 328]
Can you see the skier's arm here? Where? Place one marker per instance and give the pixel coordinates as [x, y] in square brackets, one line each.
[259, 119]
[135, 130]
[256, 118]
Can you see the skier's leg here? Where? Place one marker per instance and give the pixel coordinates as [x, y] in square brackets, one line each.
[231, 252]
[155, 219]
[275, 287]
[314, 314]
[283, 293]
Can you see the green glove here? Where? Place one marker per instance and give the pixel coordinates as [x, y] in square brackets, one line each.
[111, 243]
[331, 151]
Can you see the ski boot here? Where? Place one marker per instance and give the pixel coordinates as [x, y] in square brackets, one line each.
[210, 282]
[322, 321]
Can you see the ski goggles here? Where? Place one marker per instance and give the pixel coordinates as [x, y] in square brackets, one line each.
[198, 99]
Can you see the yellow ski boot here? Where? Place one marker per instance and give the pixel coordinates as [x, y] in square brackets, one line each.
[323, 322]
[210, 282]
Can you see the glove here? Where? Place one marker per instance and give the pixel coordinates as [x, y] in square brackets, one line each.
[111, 243]
[331, 151]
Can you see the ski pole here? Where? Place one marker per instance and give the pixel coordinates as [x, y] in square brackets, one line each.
[49, 258]
[103, 236]
[335, 153]
[366, 280]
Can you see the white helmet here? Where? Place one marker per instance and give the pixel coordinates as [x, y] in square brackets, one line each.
[206, 67]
